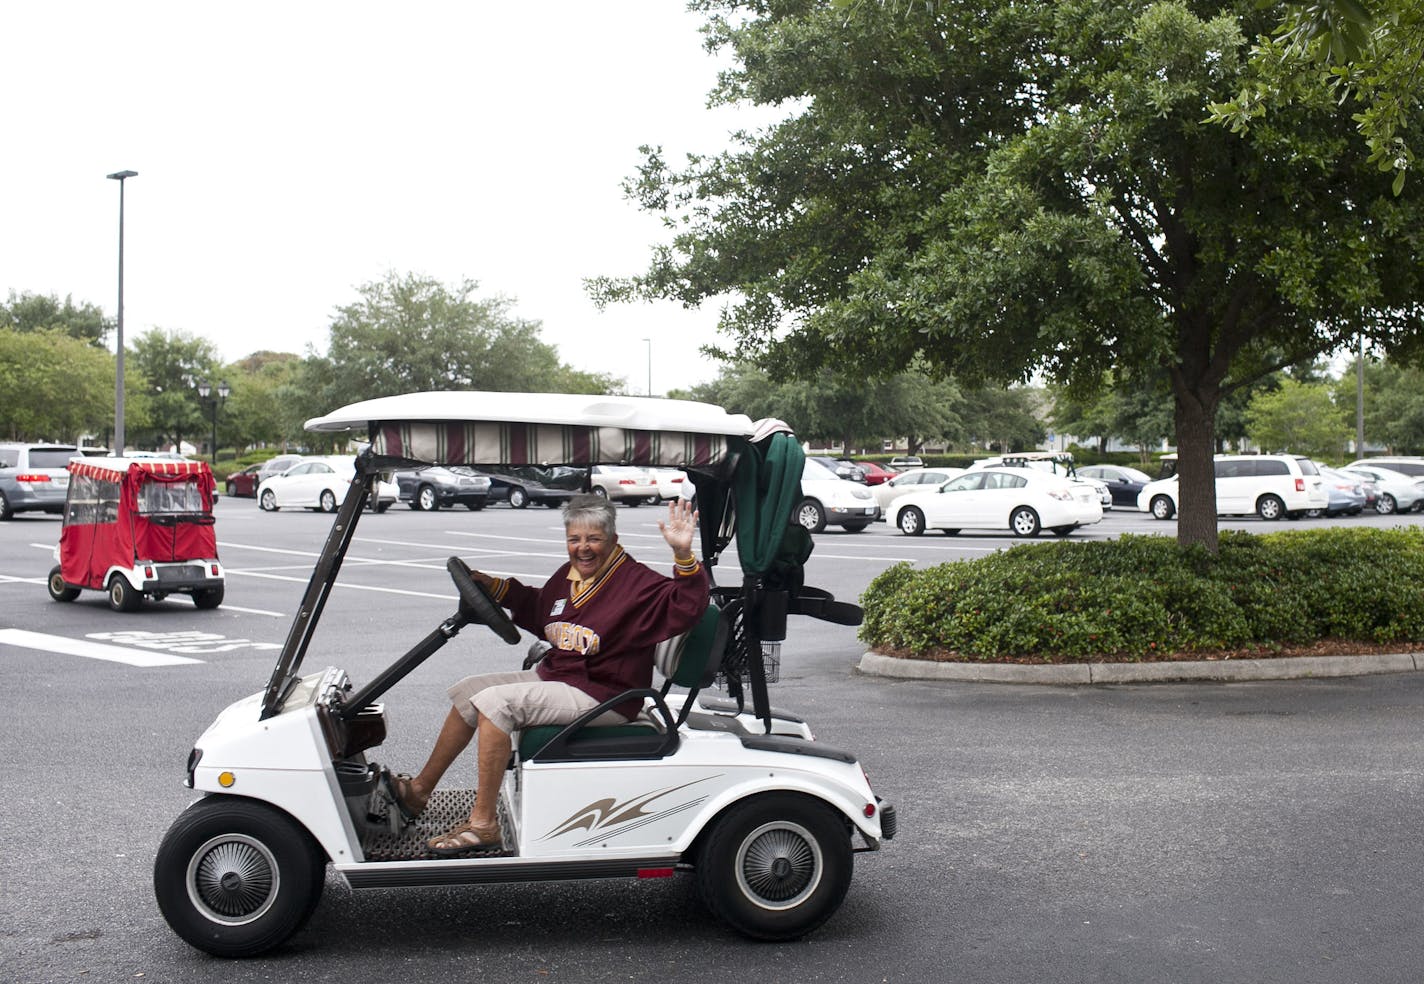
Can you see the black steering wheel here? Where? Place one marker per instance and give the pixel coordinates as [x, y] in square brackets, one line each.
[474, 596]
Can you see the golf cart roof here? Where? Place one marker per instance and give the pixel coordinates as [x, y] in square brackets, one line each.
[111, 469]
[478, 427]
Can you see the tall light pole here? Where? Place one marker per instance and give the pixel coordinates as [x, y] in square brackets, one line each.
[120, 177]
[212, 403]
[1360, 402]
[650, 365]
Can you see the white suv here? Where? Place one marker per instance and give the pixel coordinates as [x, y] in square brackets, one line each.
[1272, 486]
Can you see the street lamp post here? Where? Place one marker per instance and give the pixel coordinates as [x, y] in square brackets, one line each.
[650, 365]
[212, 403]
[120, 177]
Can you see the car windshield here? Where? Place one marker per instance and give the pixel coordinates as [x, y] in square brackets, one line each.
[51, 457]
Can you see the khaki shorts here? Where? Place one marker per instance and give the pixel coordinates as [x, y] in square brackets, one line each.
[520, 699]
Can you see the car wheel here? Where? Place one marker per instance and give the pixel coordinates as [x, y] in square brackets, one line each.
[911, 521]
[382, 506]
[474, 506]
[122, 596]
[950, 531]
[1270, 507]
[854, 527]
[425, 499]
[776, 867]
[518, 498]
[1063, 530]
[328, 501]
[811, 516]
[5, 511]
[236, 877]
[1314, 514]
[1386, 504]
[1162, 507]
[600, 491]
[58, 590]
[1024, 521]
[227, 490]
[208, 597]
[268, 502]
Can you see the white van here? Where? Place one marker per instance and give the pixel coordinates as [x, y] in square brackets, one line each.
[1270, 485]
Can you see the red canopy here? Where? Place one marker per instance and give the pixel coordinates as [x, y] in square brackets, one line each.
[122, 512]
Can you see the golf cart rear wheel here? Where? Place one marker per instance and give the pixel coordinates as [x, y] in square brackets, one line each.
[236, 877]
[58, 590]
[122, 595]
[208, 597]
[777, 866]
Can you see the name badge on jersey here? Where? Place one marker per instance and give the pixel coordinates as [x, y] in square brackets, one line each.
[558, 608]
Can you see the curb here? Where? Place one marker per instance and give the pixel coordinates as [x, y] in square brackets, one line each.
[1079, 674]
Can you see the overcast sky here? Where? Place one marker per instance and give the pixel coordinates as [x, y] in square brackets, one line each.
[288, 152]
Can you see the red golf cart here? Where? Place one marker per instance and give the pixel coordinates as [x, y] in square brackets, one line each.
[136, 527]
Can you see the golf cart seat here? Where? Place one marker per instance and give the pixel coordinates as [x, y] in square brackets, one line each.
[689, 660]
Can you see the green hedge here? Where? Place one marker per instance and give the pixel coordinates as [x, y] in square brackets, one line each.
[1137, 596]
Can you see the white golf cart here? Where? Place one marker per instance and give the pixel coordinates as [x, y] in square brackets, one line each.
[765, 818]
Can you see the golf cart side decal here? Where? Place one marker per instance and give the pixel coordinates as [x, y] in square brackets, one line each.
[602, 815]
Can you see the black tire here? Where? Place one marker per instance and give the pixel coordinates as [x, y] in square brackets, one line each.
[854, 527]
[425, 499]
[1386, 504]
[382, 507]
[474, 506]
[1162, 507]
[227, 490]
[58, 590]
[123, 597]
[518, 498]
[5, 511]
[1063, 530]
[811, 516]
[911, 521]
[208, 597]
[777, 866]
[268, 502]
[1023, 521]
[1270, 508]
[235, 877]
[600, 491]
[327, 502]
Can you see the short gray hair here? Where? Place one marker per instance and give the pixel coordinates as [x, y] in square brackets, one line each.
[589, 509]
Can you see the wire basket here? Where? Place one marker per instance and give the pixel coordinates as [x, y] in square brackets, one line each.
[741, 649]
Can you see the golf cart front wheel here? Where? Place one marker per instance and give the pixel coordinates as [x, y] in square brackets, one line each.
[776, 867]
[235, 877]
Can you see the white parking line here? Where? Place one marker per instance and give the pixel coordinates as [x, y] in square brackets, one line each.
[89, 650]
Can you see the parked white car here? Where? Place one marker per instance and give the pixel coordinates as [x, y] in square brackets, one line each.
[827, 500]
[1022, 500]
[672, 483]
[1410, 465]
[319, 483]
[1052, 462]
[621, 483]
[1398, 492]
[1273, 486]
[914, 480]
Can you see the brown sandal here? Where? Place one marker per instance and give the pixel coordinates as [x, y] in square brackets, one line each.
[402, 794]
[466, 838]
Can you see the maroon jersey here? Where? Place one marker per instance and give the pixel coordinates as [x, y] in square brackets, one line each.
[604, 630]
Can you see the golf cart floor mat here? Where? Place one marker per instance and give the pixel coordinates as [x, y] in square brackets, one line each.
[446, 810]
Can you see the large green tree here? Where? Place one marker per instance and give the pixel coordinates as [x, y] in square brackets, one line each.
[171, 364]
[412, 333]
[53, 386]
[46, 312]
[1002, 189]
[1298, 417]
